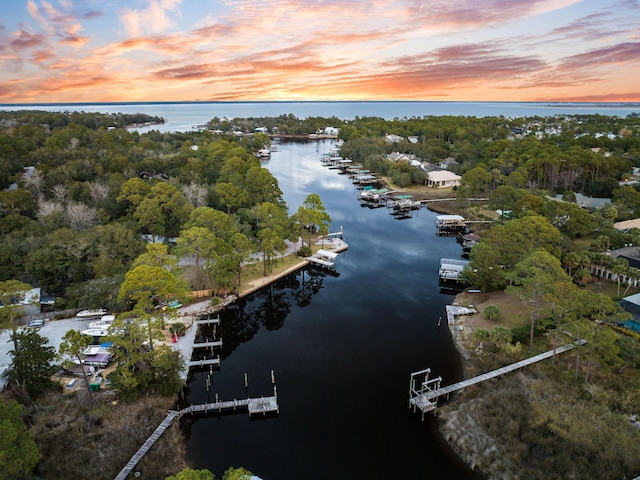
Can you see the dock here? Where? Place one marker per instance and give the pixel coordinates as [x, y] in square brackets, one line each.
[451, 269]
[204, 362]
[263, 405]
[146, 446]
[425, 397]
[324, 258]
[208, 344]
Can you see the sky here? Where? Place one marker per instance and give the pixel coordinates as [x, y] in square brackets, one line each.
[64, 51]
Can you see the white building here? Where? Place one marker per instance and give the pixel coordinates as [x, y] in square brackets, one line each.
[443, 179]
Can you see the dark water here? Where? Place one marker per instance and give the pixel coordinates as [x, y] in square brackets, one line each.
[342, 349]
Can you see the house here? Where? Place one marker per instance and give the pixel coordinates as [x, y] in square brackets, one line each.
[443, 179]
[447, 163]
[391, 138]
[590, 203]
[331, 131]
[34, 300]
[627, 225]
[264, 130]
[402, 157]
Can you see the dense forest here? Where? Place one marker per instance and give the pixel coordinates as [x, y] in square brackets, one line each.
[100, 216]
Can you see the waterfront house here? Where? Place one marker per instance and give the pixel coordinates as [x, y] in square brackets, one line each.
[443, 179]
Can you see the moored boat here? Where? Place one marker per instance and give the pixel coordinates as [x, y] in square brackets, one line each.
[95, 313]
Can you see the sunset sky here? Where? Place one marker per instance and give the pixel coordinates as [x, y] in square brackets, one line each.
[65, 51]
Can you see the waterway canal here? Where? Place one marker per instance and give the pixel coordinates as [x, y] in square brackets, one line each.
[341, 347]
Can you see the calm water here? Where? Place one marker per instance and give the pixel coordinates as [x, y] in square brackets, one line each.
[182, 116]
[342, 349]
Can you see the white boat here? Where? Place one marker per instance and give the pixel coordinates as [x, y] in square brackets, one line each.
[95, 350]
[91, 313]
[105, 322]
[96, 332]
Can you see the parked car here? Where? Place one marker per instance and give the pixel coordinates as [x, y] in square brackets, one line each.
[37, 323]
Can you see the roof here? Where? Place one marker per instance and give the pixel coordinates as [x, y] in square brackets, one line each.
[326, 253]
[627, 224]
[443, 176]
[633, 299]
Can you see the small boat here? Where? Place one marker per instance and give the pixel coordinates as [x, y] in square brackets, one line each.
[96, 332]
[92, 313]
[95, 350]
[105, 322]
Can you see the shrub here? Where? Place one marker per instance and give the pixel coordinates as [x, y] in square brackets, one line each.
[178, 328]
[492, 312]
[305, 251]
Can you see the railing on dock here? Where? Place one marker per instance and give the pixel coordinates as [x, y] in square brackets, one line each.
[425, 398]
[262, 405]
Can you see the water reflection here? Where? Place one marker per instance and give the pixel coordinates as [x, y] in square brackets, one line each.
[342, 347]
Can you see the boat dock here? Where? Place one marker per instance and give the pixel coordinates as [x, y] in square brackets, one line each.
[262, 405]
[451, 269]
[425, 396]
[146, 446]
[324, 258]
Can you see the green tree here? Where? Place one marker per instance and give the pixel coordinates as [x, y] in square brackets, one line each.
[148, 287]
[199, 244]
[242, 248]
[232, 196]
[133, 192]
[73, 344]
[190, 474]
[18, 452]
[533, 280]
[237, 474]
[492, 312]
[318, 216]
[32, 364]
[12, 295]
[273, 224]
[140, 369]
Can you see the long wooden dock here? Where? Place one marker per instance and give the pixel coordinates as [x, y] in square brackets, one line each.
[426, 397]
[146, 446]
[204, 362]
[262, 405]
[208, 344]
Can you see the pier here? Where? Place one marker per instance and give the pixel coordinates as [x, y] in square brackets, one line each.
[263, 405]
[451, 269]
[424, 395]
[324, 258]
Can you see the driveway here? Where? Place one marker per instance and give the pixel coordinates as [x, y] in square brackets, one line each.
[53, 330]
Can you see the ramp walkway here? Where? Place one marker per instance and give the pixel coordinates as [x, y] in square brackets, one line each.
[426, 397]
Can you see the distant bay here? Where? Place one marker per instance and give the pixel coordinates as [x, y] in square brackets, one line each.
[183, 116]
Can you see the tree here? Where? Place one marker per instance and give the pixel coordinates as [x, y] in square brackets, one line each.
[190, 474]
[316, 214]
[18, 452]
[12, 294]
[242, 248]
[32, 363]
[140, 369]
[237, 474]
[231, 195]
[148, 287]
[199, 244]
[533, 280]
[218, 222]
[73, 344]
[273, 224]
[492, 312]
[133, 192]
